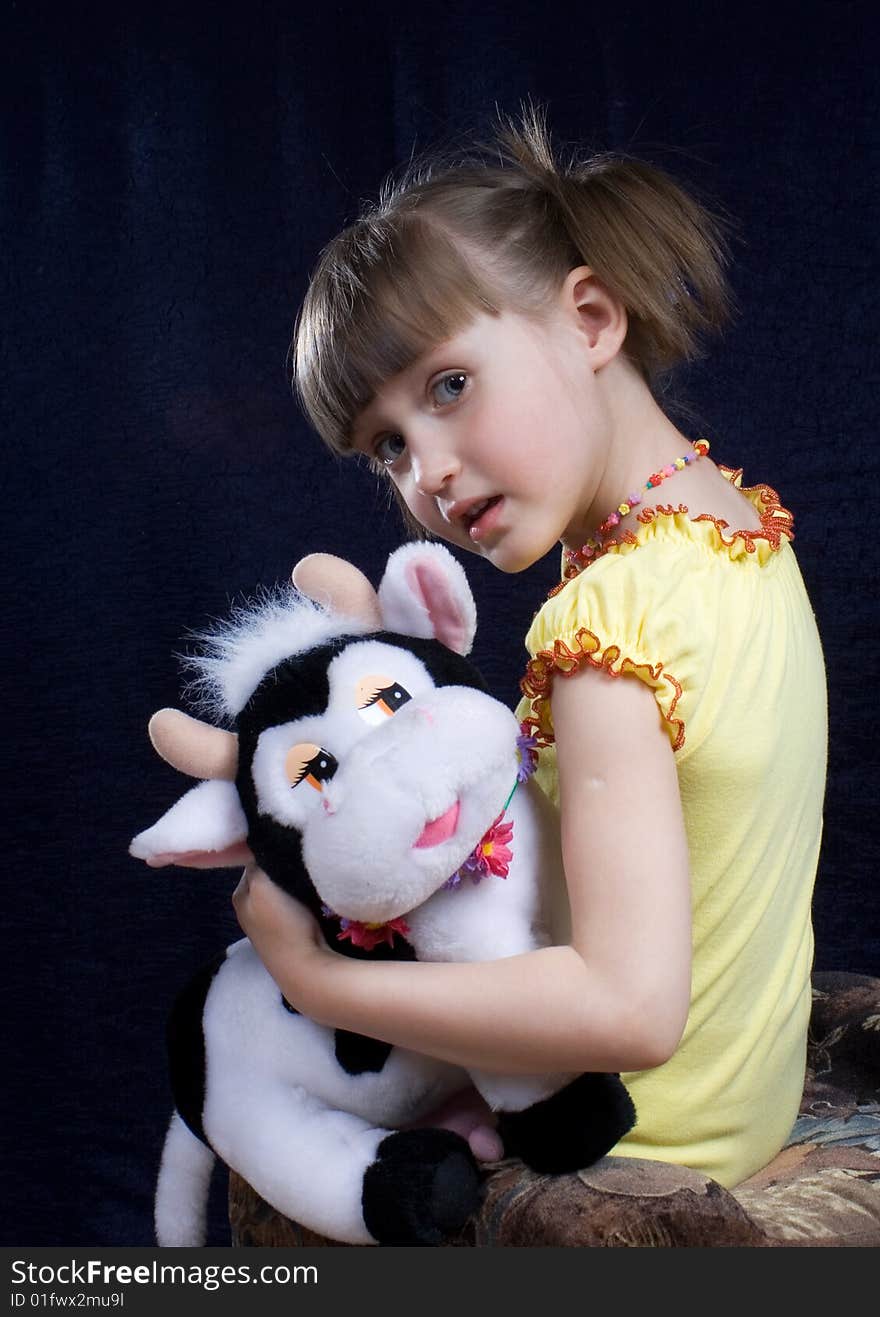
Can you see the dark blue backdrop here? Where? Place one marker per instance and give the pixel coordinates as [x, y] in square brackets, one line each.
[167, 183]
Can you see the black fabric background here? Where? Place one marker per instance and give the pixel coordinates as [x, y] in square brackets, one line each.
[167, 182]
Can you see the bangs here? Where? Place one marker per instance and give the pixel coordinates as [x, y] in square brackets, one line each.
[385, 291]
[500, 226]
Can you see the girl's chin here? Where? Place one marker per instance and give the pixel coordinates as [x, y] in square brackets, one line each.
[510, 558]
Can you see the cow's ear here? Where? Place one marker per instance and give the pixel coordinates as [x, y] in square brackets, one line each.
[425, 592]
[206, 829]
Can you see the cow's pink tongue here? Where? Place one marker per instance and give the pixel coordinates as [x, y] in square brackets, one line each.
[437, 830]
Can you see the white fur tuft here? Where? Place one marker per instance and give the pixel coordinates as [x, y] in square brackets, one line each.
[237, 654]
[182, 1189]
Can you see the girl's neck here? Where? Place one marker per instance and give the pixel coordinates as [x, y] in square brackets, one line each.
[641, 439]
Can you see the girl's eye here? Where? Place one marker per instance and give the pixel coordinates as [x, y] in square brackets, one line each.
[310, 763]
[450, 387]
[380, 697]
[389, 448]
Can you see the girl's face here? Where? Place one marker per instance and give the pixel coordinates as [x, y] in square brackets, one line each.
[497, 438]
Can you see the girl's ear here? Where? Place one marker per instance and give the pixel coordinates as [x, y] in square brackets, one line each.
[600, 317]
[424, 592]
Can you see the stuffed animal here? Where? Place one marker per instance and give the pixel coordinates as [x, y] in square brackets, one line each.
[375, 779]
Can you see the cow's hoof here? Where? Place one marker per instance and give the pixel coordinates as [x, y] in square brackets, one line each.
[573, 1128]
[422, 1187]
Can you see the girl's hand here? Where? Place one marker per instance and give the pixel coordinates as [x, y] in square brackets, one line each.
[286, 937]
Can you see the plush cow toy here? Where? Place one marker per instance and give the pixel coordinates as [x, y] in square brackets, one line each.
[375, 779]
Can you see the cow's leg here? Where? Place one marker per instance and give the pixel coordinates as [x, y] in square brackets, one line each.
[556, 1126]
[340, 1176]
[573, 1128]
[423, 1186]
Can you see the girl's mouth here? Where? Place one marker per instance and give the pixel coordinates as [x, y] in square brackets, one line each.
[486, 518]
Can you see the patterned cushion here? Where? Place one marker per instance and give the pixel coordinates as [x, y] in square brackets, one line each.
[823, 1189]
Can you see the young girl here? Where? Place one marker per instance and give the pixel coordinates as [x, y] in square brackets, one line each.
[488, 336]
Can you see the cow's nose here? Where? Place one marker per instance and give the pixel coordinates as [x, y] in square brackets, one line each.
[332, 797]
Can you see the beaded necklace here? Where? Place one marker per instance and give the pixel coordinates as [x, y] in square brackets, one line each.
[577, 559]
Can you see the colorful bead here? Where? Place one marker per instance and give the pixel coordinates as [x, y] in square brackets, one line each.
[578, 558]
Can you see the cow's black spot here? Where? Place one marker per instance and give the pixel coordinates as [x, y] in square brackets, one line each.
[186, 1047]
[357, 1054]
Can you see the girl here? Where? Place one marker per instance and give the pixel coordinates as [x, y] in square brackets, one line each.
[490, 336]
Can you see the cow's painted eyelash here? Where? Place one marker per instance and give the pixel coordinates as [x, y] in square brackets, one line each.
[379, 697]
[393, 697]
[309, 763]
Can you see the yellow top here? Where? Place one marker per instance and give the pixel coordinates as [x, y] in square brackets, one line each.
[719, 626]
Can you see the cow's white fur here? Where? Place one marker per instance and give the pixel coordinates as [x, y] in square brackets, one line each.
[182, 1188]
[235, 655]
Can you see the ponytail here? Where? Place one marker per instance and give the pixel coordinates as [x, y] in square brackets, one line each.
[653, 246]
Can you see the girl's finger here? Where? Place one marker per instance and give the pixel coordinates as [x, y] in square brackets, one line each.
[485, 1144]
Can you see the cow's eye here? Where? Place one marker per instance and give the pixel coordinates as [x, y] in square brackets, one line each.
[310, 763]
[379, 697]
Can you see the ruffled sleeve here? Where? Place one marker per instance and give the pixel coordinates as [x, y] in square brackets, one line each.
[628, 615]
[655, 607]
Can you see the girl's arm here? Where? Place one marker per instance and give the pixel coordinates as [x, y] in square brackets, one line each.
[616, 999]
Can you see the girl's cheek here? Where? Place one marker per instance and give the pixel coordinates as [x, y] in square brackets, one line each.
[426, 514]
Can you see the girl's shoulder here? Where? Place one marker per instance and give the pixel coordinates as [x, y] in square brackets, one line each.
[671, 563]
[680, 597]
[735, 523]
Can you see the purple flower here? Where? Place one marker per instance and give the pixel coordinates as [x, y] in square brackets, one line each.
[528, 753]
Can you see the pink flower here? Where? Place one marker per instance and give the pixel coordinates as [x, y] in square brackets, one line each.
[369, 936]
[490, 855]
[493, 855]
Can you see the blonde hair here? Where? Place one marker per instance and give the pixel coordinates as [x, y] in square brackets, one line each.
[500, 229]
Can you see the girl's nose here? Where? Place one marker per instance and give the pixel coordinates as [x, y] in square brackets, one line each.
[434, 468]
